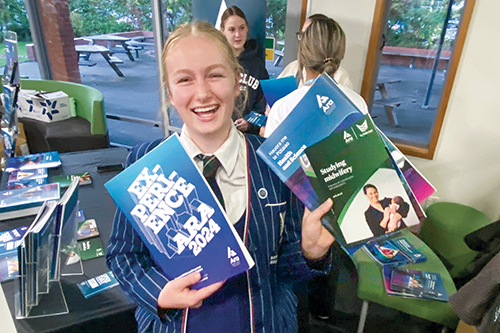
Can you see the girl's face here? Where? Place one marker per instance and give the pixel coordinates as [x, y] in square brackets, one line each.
[202, 87]
[372, 195]
[236, 29]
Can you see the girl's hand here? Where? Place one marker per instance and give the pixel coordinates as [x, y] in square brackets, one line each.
[177, 293]
[316, 240]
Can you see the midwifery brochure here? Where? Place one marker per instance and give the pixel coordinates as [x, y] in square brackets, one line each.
[275, 89]
[393, 252]
[258, 119]
[33, 161]
[340, 166]
[172, 208]
[98, 284]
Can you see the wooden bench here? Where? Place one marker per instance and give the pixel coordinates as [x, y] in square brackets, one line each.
[389, 104]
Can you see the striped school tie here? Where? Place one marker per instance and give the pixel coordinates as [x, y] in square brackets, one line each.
[210, 166]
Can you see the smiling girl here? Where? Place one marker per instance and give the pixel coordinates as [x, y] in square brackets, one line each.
[287, 243]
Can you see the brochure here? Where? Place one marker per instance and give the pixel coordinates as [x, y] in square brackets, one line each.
[428, 285]
[8, 267]
[33, 161]
[26, 201]
[65, 180]
[393, 252]
[10, 239]
[275, 89]
[98, 284]
[87, 229]
[91, 248]
[26, 183]
[171, 206]
[17, 176]
[258, 119]
[326, 148]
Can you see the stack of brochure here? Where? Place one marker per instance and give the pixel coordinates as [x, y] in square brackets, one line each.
[414, 284]
[327, 148]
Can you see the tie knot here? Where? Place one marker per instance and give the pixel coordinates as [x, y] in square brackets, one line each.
[210, 165]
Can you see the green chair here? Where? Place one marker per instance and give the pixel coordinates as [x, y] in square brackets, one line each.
[371, 287]
[444, 230]
[88, 130]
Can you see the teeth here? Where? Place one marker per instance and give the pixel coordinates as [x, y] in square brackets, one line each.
[205, 109]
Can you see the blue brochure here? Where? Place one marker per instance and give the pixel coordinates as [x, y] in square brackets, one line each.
[172, 208]
[275, 89]
[98, 284]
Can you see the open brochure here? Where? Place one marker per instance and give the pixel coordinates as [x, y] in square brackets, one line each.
[172, 208]
[327, 148]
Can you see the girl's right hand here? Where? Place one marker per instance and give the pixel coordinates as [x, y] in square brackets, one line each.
[177, 294]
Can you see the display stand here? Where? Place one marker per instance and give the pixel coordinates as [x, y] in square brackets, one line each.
[38, 287]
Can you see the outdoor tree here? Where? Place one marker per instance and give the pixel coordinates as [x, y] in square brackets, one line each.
[13, 17]
[276, 18]
[418, 23]
[177, 12]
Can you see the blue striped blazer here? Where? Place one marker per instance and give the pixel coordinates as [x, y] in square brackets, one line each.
[273, 240]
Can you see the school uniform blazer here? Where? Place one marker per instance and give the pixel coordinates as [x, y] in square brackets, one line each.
[272, 238]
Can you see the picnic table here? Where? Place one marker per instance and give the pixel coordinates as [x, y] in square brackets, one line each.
[105, 52]
[110, 39]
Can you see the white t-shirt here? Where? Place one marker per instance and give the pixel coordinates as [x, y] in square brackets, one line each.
[340, 76]
[282, 107]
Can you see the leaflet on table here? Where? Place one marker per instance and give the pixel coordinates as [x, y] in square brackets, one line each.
[275, 89]
[17, 176]
[27, 183]
[342, 166]
[98, 284]
[258, 119]
[9, 267]
[172, 208]
[10, 239]
[393, 252]
[33, 161]
[65, 180]
[420, 186]
[26, 201]
[428, 285]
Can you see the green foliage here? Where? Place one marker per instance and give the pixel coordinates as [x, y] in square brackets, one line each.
[13, 17]
[91, 17]
[276, 18]
[21, 50]
[178, 12]
[418, 23]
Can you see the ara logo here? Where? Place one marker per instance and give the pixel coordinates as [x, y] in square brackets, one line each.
[347, 137]
[325, 103]
[234, 260]
[363, 127]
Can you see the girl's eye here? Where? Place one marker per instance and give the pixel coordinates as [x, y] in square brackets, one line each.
[215, 75]
[182, 80]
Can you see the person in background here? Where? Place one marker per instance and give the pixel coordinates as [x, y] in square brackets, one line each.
[320, 50]
[234, 26]
[287, 242]
[292, 69]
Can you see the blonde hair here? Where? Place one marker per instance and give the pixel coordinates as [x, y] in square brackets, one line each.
[322, 46]
[204, 30]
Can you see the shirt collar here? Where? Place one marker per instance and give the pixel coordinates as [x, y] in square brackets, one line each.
[227, 153]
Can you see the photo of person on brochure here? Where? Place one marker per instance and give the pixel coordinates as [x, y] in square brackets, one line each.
[385, 215]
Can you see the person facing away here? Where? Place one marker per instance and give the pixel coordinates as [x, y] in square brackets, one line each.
[234, 26]
[287, 242]
[320, 50]
[341, 76]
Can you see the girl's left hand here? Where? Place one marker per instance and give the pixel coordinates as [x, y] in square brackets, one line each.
[316, 240]
[241, 124]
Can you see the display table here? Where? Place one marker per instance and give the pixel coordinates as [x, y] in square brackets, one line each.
[110, 311]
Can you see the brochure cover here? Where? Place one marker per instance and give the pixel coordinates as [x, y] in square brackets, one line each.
[428, 285]
[325, 113]
[352, 167]
[393, 252]
[87, 229]
[26, 201]
[65, 180]
[10, 239]
[275, 89]
[18, 176]
[91, 248]
[33, 161]
[98, 284]
[172, 208]
[258, 119]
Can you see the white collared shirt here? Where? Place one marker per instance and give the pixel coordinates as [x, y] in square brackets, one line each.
[231, 176]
